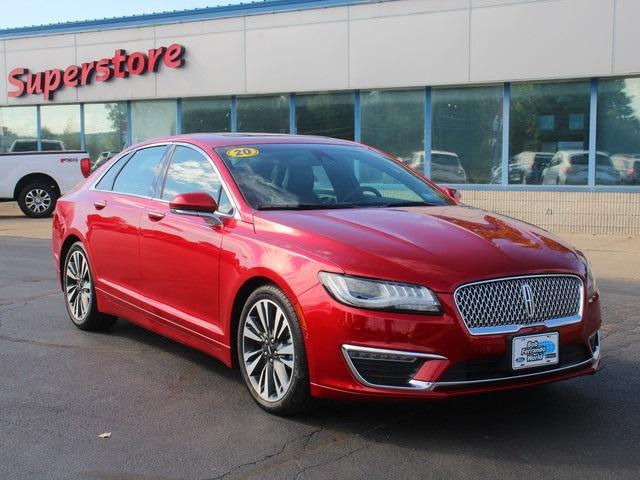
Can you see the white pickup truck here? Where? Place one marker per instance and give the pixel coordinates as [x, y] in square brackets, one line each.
[37, 179]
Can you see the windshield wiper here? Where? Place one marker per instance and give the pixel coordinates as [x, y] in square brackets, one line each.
[306, 206]
[404, 204]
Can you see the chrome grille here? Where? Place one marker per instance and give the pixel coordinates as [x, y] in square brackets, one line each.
[505, 305]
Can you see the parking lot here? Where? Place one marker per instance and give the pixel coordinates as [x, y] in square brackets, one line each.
[174, 413]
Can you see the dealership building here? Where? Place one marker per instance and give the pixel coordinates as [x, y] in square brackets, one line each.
[530, 107]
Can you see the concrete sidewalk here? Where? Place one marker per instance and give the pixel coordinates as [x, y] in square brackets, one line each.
[611, 256]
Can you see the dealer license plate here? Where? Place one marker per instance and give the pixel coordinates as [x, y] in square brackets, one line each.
[535, 350]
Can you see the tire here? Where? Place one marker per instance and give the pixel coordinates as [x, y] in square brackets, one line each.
[37, 200]
[266, 363]
[79, 292]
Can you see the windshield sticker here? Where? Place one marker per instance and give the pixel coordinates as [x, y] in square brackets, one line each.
[242, 152]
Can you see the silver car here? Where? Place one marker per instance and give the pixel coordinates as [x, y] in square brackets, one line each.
[571, 167]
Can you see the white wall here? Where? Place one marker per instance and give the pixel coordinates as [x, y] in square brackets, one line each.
[399, 43]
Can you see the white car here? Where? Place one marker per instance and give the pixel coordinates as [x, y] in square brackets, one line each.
[37, 179]
[571, 167]
[445, 166]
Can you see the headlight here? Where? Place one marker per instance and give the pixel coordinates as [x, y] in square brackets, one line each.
[379, 294]
[592, 288]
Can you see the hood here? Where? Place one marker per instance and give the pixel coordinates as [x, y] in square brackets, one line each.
[440, 247]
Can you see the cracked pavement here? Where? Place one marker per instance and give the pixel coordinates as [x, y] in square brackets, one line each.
[175, 413]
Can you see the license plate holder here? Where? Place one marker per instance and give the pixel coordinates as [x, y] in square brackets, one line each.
[539, 350]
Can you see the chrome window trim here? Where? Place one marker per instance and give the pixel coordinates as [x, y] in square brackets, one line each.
[514, 328]
[235, 212]
[415, 384]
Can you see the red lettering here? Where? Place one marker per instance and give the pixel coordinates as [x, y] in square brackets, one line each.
[137, 63]
[87, 71]
[104, 72]
[34, 83]
[154, 58]
[120, 66]
[173, 56]
[70, 77]
[16, 82]
[119, 60]
[52, 82]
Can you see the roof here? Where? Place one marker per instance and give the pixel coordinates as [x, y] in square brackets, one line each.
[176, 16]
[215, 140]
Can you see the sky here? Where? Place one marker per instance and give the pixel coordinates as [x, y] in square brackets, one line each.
[24, 13]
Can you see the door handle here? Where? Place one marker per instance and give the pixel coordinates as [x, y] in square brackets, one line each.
[100, 204]
[155, 215]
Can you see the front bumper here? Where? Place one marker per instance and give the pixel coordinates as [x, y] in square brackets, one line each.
[447, 359]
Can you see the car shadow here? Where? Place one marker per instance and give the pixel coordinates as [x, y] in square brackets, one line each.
[555, 424]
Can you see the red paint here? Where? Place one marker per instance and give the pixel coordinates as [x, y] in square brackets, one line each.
[121, 65]
[180, 275]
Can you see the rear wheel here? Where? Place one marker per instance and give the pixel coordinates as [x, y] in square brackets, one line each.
[271, 352]
[37, 200]
[79, 292]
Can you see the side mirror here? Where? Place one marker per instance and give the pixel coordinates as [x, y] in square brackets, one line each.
[454, 194]
[193, 203]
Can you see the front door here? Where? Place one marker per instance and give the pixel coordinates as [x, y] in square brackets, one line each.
[180, 254]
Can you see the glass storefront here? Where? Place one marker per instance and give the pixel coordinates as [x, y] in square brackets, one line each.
[106, 130]
[263, 114]
[152, 119]
[466, 134]
[60, 127]
[206, 115]
[548, 128]
[549, 133]
[393, 121]
[618, 133]
[326, 114]
[18, 129]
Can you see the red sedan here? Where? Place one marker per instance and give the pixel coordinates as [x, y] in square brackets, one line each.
[322, 268]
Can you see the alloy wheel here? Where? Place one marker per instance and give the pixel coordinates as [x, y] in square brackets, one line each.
[38, 200]
[268, 350]
[78, 286]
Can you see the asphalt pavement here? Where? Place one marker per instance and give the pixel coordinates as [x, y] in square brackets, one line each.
[174, 413]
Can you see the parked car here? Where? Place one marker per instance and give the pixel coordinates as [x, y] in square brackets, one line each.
[527, 167]
[37, 179]
[445, 166]
[628, 167]
[31, 145]
[571, 167]
[270, 253]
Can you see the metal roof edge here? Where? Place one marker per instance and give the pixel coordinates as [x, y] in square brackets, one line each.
[178, 16]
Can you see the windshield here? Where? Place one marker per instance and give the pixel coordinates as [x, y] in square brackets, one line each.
[298, 176]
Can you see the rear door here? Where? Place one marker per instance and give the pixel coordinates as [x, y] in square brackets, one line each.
[180, 254]
[119, 199]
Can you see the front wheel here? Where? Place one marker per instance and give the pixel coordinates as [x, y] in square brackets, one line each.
[271, 352]
[37, 200]
[79, 292]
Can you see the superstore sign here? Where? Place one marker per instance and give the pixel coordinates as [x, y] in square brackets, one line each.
[121, 65]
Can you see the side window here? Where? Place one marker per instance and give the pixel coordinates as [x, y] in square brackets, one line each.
[190, 171]
[224, 204]
[106, 182]
[138, 175]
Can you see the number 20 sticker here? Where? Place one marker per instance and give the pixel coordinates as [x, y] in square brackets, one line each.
[242, 152]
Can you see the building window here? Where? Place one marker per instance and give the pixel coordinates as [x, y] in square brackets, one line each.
[60, 127]
[206, 115]
[393, 121]
[105, 129]
[325, 114]
[618, 132]
[263, 114]
[152, 119]
[549, 133]
[466, 135]
[18, 129]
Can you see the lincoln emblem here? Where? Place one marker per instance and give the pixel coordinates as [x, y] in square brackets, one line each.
[527, 299]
